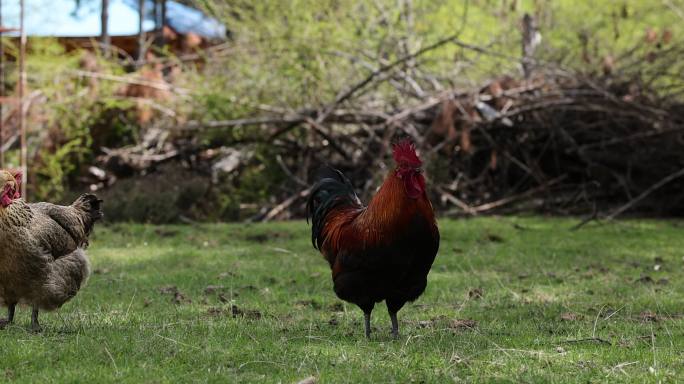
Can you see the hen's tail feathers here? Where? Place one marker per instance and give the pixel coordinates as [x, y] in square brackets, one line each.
[331, 190]
[92, 207]
[65, 278]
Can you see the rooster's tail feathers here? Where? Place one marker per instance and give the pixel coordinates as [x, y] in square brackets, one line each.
[332, 190]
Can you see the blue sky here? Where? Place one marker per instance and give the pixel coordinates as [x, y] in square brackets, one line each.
[57, 18]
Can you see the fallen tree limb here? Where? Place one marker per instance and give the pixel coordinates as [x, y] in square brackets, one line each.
[647, 192]
[280, 208]
[521, 196]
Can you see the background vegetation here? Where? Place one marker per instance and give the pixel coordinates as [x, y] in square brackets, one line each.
[291, 56]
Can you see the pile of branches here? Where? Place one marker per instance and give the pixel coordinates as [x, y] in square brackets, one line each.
[554, 141]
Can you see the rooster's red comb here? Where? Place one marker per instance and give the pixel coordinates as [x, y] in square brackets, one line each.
[404, 153]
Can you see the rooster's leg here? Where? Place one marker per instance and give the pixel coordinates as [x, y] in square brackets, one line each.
[367, 308]
[10, 312]
[366, 317]
[395, 325]
[10, 316]
[393, 307]
[35, 326]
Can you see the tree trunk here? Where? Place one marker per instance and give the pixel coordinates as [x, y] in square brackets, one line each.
[104, 28]
[2, 94]
[161, 23]
[530, 40]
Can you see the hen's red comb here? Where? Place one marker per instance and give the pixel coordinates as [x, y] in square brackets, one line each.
[404, 153]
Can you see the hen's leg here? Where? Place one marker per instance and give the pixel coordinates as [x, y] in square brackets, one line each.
[10, 312]
[10, 316]
[35, 326]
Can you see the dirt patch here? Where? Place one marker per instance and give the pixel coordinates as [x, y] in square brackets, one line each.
[177, 297]
[180, 298]
[489, 237]
[213, 289]
[251, 314]
[462, 324]
[476, 294]
[648, 316]
[308, 380]
[165, 232]
[225, 275]
[570, 316]
[645, 279]
[168, 290]
[234, 311]
[257, 238]
[444, 322]
[267, 236]
[313, 304]
[219, 291]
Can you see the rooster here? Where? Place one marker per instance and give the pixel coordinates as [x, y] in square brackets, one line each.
[42, 261]
[383, 251]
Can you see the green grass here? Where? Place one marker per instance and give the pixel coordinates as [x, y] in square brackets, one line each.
[548, 296]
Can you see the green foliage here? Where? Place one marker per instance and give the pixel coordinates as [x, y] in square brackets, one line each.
[71, 117]
[301, 53]
[52, 173]
[77, 127]
[535, 293]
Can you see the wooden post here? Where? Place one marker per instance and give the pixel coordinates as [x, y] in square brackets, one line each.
[22, 102]
[155, 17]
[141, 32]
[2, 94]
[105, 39]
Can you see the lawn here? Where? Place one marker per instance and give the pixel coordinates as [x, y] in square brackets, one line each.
[508, 300]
